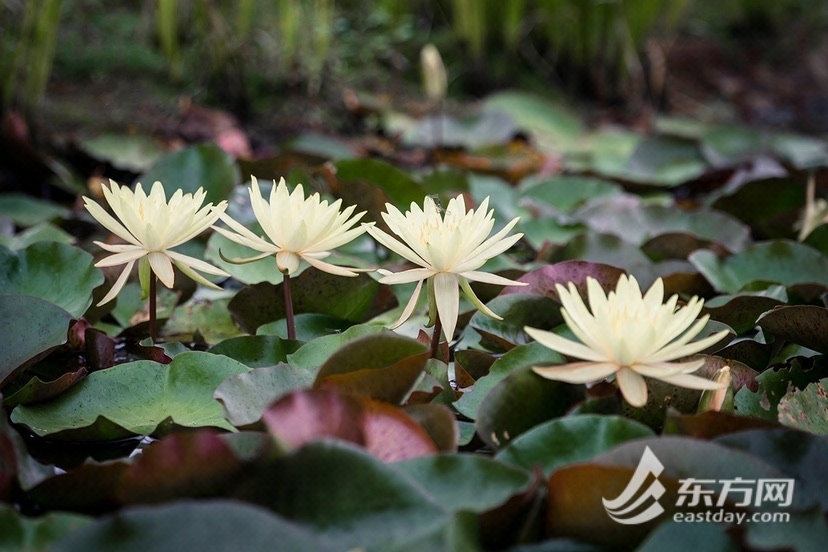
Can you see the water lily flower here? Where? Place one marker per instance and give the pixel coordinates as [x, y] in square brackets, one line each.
[449, 249]
[630, 336]
[299, 229]
[151, 226]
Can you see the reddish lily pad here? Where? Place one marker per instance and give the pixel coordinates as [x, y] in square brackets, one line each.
[383, 430]
[742, 311]
[542, 281]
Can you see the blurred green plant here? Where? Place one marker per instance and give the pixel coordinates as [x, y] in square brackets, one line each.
[27, 49]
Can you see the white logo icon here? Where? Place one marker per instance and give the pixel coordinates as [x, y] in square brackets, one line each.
[633, 498]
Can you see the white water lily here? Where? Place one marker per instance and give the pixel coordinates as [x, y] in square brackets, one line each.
[298, 228]
[630, 336]
[151, 226]
[449, 248]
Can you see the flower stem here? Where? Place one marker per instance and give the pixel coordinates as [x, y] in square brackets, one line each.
[291, 323]
[153, 330]
[435, 338]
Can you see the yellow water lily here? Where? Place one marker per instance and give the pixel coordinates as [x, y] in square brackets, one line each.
[449, 249]
[151, 226]
[298, 228]
[628, 335]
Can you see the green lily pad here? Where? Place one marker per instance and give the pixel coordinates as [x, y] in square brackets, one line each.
[532, 354]
[807, 409]
[26, 211]
[770, 206]
[209, 318]
[775, 384]
[308, 326]
[779, 261]
[137, 398]
[208, 526]
[263, 270]
[381, 366]
[552, 124]
[569, 440]
[565, 193]
[541, 232]
[314, 291]
[520, 402]
[742, 311]
[729, 145]
[663, 160]
[805, 325]
[466, 482]
[517, 310]
[203, 166]
[34, 326]
[42, 232]
[688, 537]
[56, 272]
[349, 498]
[314, 353]
[246, 396]
[130, 152]
[636, 222]
[256, 350]
[41, 533]
[803, 152]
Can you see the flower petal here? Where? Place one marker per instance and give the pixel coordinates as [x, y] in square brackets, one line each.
[162, 267]
[565, 346]
[118, 285]
[632, 386]
[693, 382]
[577, 372]
[447, 296]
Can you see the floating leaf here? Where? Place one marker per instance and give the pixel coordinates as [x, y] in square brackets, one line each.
[211, 319]
[383, 367]
[775, 384]
[19, 532]
[43, 232]
[532, 354]
[203, 166]
[204, 525]
[807, 409]
[770, 205]
[56, 272]
[517, 310]
[543, 280]
[805, 325]
[256, 351]
[26, 211]
[636, 222]
[566, 193]
[130, 152]
[384, 430]
[308, 326]
[688, 537]
[570, 440]
[264, 270]
[138, 398]
[314, 291]
[610, 250]
[32, 327]
[246, 396]
[520, 402]
[551, 123]
[663, 160]
[466, 482]
[779, 261]
[742, 311]
[314, 353]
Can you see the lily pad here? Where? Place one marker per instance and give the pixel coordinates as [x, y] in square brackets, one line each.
[26, 211]
[742, 311]
[203, 166]
[246, 396]
[543, 280]
[209, 318]
[610, 250]
[43, 232]
[314, 353]
[19, 532]
[256, 350]
[34, 326]
[779, 261]
[775, 384]
[565, 193]
[520, 402]
[552, 124]
[570, 440]
[517, 310]
[805, 325]
[663, 160]
[56, 272]
[137, 398]
[314, 291]
[308, 326]
[205, 525]
[263, 270]
[807, 409]
[383, 367]
[130, 152]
